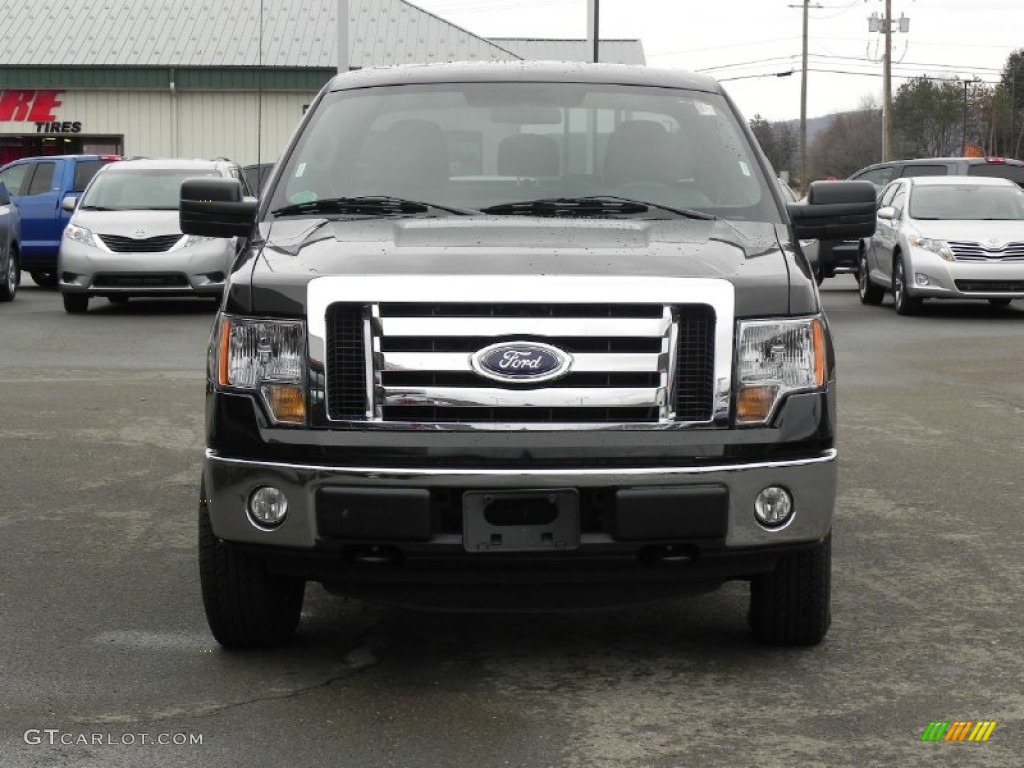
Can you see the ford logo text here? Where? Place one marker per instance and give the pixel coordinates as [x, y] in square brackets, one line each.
[521, 361]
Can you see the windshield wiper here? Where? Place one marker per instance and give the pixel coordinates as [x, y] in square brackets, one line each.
[367, 205]
[587, 206]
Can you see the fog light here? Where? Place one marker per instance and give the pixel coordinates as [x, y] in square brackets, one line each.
[773, 507]
[921, 279]
[268, 506]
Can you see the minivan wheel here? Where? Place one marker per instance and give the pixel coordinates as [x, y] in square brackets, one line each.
[11, 278]
[246, 605]
[901, 298]
[792, 605]
[870, 293]
[76, 303]
[44, 279]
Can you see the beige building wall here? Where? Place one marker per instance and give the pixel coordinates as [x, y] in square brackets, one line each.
[183, 124]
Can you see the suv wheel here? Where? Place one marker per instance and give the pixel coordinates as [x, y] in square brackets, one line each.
[792, 605]
[870, 293]
[76, 303]
[246, 605]
[44, 279]
[905, 303]
[11, 278]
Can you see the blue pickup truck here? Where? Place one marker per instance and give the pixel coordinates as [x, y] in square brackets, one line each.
[38, 185]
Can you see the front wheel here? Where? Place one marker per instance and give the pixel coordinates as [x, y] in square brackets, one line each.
[905, 303]
[246, 605]
[76, 303]
[792, 605]
[11, 278]
[870, 293]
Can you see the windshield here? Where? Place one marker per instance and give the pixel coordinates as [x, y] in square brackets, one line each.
[473, 146]
[131, 189]
[967, 201]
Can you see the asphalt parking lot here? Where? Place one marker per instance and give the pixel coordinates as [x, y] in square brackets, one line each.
[106, 654]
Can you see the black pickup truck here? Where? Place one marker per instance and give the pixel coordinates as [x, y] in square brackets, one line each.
[519, 336]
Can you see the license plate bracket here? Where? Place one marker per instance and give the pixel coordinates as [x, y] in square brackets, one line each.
[546, 520]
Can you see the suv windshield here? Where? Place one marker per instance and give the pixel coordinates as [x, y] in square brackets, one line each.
[473, 146]
[966, 201]
[126, 189]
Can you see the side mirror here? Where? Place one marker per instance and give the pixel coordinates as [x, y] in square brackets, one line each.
[887, 212]
[69, 204]
[214, 207]
[835, 210]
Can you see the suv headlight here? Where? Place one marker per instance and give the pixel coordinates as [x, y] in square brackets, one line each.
[263, 357]
[938, 247]
[197, 240]
[79, 235]
[776, 358]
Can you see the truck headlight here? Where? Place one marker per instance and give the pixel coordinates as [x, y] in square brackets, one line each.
[79, 235]
[776, 358]
[264, 357]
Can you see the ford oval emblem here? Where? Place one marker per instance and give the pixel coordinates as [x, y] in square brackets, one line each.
[521, 361]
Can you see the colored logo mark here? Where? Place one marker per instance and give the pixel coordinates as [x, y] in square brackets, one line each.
[958, 730]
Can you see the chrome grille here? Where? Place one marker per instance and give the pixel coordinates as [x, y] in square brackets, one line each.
[968, 250]
[646, 353]
[157, 244]
[621, 359]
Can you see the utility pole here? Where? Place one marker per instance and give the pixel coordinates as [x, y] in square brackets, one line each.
[887, 86]
[593, 27]
[803, 106]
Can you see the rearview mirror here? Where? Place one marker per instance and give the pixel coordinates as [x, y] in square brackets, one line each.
[887, 212]
[215, 207]
[69, 203]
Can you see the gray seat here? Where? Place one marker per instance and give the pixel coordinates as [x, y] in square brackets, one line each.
[413, 161]
[641, 151]
[528, 155]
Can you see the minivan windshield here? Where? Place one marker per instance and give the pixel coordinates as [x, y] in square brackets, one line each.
[124, 188]
[582, 147]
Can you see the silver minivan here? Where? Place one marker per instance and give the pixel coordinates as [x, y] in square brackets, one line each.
[124, 239]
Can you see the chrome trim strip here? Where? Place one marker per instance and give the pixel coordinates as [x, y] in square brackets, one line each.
[669, 350]
[583, 362]
[496, 397]
[578, 476]
[613, 327]
[371, 350]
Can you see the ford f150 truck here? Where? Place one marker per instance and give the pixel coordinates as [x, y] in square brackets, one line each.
[519, 336]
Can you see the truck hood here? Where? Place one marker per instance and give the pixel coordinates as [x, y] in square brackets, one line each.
[297, 250]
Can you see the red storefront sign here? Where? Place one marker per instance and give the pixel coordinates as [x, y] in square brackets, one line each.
[29, 106]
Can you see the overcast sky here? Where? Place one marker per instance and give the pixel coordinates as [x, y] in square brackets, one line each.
[947, 38]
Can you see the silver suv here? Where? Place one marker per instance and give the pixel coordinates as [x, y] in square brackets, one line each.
[124, 240]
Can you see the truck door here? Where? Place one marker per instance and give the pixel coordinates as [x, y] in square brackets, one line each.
[39, 205]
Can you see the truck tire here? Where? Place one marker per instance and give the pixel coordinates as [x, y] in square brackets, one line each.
[44, 279]
[791, 606]
[246, 606]
[870, 293]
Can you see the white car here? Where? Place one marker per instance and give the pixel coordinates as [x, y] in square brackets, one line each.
[945, 237]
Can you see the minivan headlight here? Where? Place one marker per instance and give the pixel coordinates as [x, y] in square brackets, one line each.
[263, 357]
[79, 235]
[776, 358]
